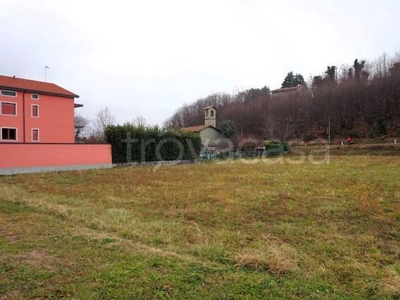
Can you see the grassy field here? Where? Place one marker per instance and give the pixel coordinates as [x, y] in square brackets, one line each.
[221, 231]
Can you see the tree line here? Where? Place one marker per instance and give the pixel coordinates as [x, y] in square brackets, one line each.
[360, 100]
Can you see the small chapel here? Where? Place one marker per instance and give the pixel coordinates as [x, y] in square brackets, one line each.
[209, 133]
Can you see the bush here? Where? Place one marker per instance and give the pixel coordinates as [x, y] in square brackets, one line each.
[274, 148]
[139, 144]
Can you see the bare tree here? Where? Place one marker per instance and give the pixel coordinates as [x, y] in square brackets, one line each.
[139, 121]
[103, 119]
[380, 67]
[396, 57]
[363, 101]
[270, 127]
[80, 125]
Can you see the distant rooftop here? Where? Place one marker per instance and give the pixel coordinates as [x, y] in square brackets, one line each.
[289, 91]
[198, 128]
[292, 88]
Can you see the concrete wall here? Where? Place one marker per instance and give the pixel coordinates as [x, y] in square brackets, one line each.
[39, 157]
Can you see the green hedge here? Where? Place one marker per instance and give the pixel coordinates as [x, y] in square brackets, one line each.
[151, 144]
[274, 148]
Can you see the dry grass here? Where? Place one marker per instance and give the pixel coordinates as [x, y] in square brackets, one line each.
[391, 283]
[369, 199]
[272, 256]
[37, 259]
[388, 285]
[204, 231]
[11, 295]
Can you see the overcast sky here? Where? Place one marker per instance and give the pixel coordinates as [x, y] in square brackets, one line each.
[147, 58]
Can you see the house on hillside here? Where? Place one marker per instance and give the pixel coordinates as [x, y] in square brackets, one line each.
[395, 69]
[209, 133]
[289, 91]
[37, 129]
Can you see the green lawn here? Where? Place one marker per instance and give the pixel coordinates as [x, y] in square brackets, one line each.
[221, 231]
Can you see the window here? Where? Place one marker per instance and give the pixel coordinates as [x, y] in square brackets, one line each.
[35, 96]
[35, 135]
[9, 93]
[8, 134]
[212, 113]
[206, 112]
[35, 111]
[9, 108]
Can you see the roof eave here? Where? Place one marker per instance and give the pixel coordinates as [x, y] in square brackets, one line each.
[215, 128]
[72, 95]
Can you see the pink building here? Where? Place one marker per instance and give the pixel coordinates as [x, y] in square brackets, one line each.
[37, 129]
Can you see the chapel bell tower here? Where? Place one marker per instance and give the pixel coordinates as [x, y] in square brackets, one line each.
[210, 113]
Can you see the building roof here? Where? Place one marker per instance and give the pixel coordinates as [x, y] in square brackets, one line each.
[198, 128]
[33, 86]
[194, 128]
[211, 106]
[292, 88]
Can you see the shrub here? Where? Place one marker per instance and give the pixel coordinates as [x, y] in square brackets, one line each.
[274, 148]
[139, 144]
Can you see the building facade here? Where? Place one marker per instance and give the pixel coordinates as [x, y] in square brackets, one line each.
[35, 112]
[37, 129]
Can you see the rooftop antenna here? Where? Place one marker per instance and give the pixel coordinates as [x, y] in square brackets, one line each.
[45, 73]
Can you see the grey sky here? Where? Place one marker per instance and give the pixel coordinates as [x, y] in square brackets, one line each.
[149, 57]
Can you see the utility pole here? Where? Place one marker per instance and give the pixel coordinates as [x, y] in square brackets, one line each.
[329, 130]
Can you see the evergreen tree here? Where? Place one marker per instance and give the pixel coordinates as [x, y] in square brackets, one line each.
[360, 74]
[228, 128]
[299, 80]
[317, 82]
[358, 67]
[288, 81]
[293, 80]
[330, 74]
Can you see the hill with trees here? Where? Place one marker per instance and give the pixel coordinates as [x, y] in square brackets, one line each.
[361, 100]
